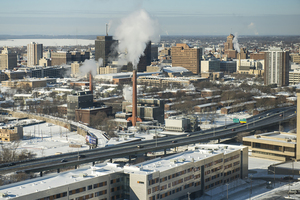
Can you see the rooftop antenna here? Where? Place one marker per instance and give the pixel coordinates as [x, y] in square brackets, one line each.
[106, 28]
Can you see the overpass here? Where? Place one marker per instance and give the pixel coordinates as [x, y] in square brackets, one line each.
[269, 118]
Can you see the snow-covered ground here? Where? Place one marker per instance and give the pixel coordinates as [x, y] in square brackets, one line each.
[47, 139]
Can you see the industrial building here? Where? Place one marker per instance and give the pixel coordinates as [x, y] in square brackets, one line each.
[31, 83]
[147, 109]
[181, 176]
[78, 100]
[187, 123]
[185, 56]
[11, 134]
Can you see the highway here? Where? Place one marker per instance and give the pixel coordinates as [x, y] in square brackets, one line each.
[269, 118]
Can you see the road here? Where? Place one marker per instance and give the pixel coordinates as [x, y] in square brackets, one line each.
[263, 120]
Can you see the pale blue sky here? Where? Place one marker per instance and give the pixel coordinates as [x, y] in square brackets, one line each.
[176, 17]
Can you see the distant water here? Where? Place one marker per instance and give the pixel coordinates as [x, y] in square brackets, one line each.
[45, 42]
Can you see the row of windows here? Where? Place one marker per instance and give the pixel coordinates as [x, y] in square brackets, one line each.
[98, 185]
[100, 193]
[236, 163]
[228, 166]
[78, 190]
[153, 181]
[188, 185]
[197, 176]
[217, 169]
[116, 189]
[232, 158]
[188, 177]
[117, 180]
[84, 197]
[115, 197]
[177, 182]
[56, 196]
[213, 184]
[197, 183]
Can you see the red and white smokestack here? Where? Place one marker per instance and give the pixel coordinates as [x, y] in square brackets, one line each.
[91, 81]
[134, 99]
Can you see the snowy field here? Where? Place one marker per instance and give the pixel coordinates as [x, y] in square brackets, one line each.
[46, 42]
[47, 139]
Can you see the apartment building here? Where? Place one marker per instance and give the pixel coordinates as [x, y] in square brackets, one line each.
[34, 54]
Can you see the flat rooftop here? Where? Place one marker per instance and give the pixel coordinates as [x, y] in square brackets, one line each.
[195, 153]
[57, 180]
[275, 137]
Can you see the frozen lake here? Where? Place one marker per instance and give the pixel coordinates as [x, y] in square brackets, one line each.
[46, 42]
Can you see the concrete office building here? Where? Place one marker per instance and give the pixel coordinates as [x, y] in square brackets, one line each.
[185, 56]
[196, 171]
[60, 57]
[103, 181]
[8, 60]
[34, 54]
[105, 49]
[276, 67]
[273, 145]
[199, 170]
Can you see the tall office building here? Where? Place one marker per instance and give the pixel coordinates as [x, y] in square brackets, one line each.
[104, 48]
[187, 57]
[228, 47]
[34, 53]
[8, 60]
[276, 67]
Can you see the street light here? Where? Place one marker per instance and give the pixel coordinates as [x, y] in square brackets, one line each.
[227, 189]
[273, 173]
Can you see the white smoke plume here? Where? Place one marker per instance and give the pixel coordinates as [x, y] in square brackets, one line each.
[90, 65]
[127, 93]
[236, 44]
[134, 32]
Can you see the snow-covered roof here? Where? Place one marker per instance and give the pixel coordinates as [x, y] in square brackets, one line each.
[195, 153]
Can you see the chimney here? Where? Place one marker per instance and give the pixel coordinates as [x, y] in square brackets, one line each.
[91, 82]
[134, 99]
[239, 60]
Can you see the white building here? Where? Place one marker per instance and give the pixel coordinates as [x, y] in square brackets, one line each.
[34, 53]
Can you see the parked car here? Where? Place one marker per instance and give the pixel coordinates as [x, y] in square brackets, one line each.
[233, 129]
[63, 160]
[188, 135]
[139, 146]
[174, 141]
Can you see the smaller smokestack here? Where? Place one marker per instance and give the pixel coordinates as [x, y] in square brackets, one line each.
[239, 60]
[91, 81]
[134, 99]
[106, 29]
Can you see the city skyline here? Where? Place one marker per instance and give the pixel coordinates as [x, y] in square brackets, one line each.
[174, 17]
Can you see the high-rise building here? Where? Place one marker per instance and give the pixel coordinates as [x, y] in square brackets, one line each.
[8, 60]
[105, 49]
[145, 60]
[34, 53]
[185, 56]
[276, 67]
